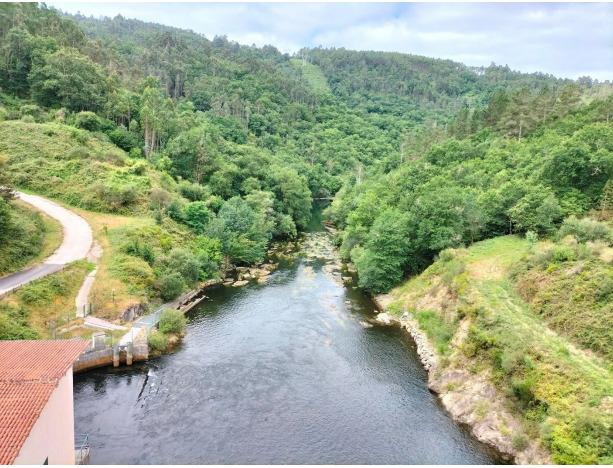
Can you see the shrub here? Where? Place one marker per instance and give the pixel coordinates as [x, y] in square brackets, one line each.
[454, 269]
[438, 330]
[31, 110]
[136, 249]
[171, 285]
[604, 288]
[532, 238]
[215, 203]
[193, 192]
[519, 442]
[125, 140]
[446, 255]
[175, 211]
[78, 152]
[185, 263]
[585, 230]
[172, 321]
[157, 341]
[88, 121]
[563, 254]
[159, 198]
[197, 216]
[133, 271]
[522, 388]
[13, 324]
[139, 168]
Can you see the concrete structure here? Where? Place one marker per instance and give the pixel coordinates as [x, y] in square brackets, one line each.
[36, 401]
[101, 354]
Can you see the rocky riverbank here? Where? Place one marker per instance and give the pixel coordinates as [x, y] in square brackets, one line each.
[470, 398]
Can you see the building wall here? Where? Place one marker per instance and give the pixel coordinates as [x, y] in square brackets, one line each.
[52, 436]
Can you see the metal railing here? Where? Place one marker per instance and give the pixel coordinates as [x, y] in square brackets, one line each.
[81, 449]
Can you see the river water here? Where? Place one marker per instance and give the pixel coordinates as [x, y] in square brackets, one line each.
[280, 373]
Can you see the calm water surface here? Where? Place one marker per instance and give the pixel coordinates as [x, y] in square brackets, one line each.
[282, 373]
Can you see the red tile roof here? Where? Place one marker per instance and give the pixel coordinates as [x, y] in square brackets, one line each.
[29, 373]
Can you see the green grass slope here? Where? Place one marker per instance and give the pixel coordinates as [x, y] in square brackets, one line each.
[78, 167]
[313, 76]
[469, 305]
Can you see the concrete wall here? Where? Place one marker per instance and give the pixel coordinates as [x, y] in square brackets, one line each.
[52, 436]
[93, 359]
[104, 357]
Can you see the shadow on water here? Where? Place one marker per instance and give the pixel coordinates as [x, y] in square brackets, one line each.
[273, 374]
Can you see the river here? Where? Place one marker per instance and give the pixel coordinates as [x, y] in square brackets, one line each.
[282, 373]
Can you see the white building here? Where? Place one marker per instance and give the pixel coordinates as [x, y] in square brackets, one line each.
[36, 401]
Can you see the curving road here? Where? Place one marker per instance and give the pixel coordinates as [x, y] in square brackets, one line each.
[77, 241]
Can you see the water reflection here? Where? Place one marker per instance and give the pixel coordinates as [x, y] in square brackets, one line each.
[276, 373]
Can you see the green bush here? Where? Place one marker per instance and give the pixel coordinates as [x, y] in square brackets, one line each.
[193, 192]
[78, 152]
[519, 442]
[31, 110]
[185, 263]
[197, 216]
[171, 285]
[88, 121]
[563, 254]
[126, 140]
[139, 168]
[585, 230]
[136, 249]
[172, 321]
[174, 210]
[438, 330]
[157, 341]
[13, 324]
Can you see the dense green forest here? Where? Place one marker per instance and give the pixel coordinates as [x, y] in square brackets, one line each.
[423, 153]
[426, 153]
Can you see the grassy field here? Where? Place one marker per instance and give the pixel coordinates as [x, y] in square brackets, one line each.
[313, 76]
[563, 394]
[109, 294]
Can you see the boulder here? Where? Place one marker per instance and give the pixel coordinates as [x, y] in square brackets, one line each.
[384, 318]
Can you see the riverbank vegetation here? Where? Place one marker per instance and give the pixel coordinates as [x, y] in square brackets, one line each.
[490, 306]
[170, 330]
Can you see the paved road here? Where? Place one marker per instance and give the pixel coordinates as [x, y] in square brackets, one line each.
[77, 241]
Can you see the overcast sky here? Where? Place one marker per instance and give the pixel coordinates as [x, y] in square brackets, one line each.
[564, 39]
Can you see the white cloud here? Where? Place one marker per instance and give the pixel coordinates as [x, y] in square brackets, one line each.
[564, 39]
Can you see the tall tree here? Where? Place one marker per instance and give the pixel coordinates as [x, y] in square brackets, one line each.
[519, 117]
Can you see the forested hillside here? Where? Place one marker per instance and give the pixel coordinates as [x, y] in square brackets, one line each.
[427, 153]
